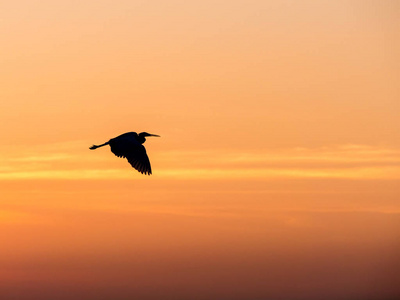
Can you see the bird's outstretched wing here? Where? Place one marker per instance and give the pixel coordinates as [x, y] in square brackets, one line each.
[133, 151]
[140, 161]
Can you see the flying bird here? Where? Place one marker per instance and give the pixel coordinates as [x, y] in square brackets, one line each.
[129, 145]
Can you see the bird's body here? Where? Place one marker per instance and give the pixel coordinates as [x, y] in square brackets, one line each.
[129, 145]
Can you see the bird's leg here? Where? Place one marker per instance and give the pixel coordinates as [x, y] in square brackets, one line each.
[98, 146]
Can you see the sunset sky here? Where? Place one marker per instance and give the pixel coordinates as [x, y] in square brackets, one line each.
[276, 175]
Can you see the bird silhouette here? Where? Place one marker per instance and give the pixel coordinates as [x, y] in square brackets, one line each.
[129, 145]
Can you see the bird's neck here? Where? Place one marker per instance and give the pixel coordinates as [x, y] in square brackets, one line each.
[141, 139]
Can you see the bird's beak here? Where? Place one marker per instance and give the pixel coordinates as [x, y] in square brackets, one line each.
[154, 135]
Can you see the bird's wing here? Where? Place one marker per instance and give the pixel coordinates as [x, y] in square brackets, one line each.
[133, 151]
[139, 160]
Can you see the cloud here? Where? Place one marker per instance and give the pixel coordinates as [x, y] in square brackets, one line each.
[18, 217]
[50, 157]
[344, 161]
[345, 153]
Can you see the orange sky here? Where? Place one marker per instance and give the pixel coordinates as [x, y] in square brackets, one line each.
[277, 170]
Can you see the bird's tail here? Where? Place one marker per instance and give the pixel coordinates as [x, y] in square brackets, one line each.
[97, 146]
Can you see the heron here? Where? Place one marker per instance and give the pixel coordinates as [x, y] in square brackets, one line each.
[129, 146]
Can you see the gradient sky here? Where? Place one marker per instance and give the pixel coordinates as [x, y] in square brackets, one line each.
[276, 175]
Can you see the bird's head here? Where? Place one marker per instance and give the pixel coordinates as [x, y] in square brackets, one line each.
[144, 134]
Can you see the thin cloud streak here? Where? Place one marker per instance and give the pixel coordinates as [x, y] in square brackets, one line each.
[358, 173]
[347, 161]
[36, 158]
[345, 153]
[18, 217]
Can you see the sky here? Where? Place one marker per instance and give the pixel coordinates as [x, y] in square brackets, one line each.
[276, 175]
